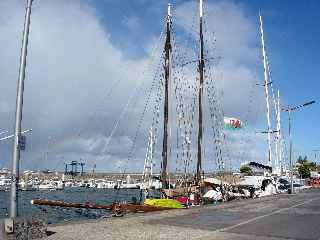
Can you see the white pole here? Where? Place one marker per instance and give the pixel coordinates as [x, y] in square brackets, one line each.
[201, 8]
[169, 10]
[279, 133]
[266, 83]
[275, 164]
[290, 153]
[147, 169]
[18, 116]
[151, 151]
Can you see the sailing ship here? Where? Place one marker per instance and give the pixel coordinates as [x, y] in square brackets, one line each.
[189, 187]
[167, 190]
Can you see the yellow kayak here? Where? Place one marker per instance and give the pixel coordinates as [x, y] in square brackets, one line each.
[167, 203]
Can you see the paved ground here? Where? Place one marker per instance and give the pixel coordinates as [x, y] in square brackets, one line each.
[276, 217]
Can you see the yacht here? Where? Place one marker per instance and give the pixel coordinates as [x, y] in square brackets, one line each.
[5, 183]
[47, 186]
[105, 184]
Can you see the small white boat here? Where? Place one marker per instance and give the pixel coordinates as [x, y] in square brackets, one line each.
[213, 195]
[68, 184]
[5, 183]
[47, 186]
[130, 186]
[59, 185]
[110, 184]
[28, 186]
[92, 183]
[104, 184]
[154, 184]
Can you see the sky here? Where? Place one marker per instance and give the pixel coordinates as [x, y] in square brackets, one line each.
[91, 64]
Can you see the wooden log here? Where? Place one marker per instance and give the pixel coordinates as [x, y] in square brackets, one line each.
[69, 205]
[113, 207]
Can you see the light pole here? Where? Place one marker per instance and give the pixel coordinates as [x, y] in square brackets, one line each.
[289, 110]
[18, 118]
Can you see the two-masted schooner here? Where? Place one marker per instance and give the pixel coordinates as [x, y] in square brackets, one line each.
[188, 186]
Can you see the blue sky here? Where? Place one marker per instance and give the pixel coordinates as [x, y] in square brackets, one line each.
[293, 36]
[78, 49]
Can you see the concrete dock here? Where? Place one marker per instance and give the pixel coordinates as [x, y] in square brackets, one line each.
[275, 217]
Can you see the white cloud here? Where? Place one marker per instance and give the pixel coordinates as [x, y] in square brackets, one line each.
[78, 82]
[71, 68]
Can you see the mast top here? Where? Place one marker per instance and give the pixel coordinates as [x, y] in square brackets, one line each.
[169, 9]
[201, 8]
[260, 18]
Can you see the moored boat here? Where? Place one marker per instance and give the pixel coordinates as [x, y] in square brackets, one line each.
[165, 203]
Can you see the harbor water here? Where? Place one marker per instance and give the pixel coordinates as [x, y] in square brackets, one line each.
[71, 195]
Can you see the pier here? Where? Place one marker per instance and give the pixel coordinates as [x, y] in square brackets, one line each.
[282, 216]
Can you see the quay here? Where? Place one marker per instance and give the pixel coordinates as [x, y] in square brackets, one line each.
[283, 216]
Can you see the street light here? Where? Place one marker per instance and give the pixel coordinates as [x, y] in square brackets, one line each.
[289, 110]
[18, 115]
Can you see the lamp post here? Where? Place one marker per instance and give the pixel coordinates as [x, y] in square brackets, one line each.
[289, 110]
[18, 118]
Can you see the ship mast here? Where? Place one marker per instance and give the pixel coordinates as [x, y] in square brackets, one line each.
[167, 76]
[266, 87]
[279, 160]
[201, 76]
